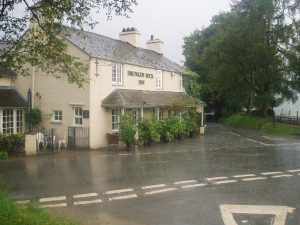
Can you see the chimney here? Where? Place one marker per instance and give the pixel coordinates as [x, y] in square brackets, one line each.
[156, 45]
[130, 35]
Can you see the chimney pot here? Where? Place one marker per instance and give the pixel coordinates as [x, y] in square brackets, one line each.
[152, 37]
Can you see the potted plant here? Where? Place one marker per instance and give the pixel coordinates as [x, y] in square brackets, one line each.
[127, 131]
[33, 117]
[149, 131]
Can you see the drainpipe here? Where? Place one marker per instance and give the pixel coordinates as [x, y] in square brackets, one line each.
[33, 87]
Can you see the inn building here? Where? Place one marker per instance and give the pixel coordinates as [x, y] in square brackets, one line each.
[123, 78]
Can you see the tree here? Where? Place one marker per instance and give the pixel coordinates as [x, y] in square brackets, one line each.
[252, 56]
[40, 45]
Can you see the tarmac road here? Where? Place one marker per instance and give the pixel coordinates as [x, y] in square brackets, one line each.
[227, 177]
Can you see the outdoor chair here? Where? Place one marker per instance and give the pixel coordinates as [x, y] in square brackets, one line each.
[63, 142]
[40, 139]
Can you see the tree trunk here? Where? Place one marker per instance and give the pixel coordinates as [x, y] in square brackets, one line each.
[264, 109]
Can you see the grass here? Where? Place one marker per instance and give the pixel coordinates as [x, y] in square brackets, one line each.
[264, 125]
[13, 214]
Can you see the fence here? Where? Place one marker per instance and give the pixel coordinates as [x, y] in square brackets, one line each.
[46, 140]
[78, 137]
[289, 119]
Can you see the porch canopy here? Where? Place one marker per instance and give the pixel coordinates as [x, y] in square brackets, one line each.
[10, 98]
[131, 99]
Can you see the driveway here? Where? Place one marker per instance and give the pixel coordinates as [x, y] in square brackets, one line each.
[229, 176]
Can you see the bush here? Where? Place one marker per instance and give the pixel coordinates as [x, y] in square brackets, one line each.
[33, 116]
[127, 129]
[12, 143]
[165, 131]
[149, 130]
[3, 154]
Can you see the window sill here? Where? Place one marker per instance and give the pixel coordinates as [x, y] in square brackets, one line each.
[117, 84]
[56, 122]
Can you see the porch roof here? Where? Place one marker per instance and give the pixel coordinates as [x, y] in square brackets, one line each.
[6, 72]
[10, 98]
[123, 98]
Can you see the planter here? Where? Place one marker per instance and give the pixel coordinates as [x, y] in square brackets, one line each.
[30, 145]
[130, 146]
[201, 130]
[192, 134]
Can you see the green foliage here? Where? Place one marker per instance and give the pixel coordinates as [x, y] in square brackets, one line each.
[247, 56]
[13, 214]
[264, 125]
[40, 45]
[33, 116]
[127, 129]
[3, 154]
[149, 130]
[165, 131]
[245, 121]
[12, 143]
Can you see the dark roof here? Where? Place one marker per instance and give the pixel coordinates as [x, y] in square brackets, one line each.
[6, 72]
[102, 47]
[11, 98]
[123, 98]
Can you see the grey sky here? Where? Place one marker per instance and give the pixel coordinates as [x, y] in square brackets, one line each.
[168, 20]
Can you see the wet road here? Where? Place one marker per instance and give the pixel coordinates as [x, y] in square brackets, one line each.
[196, 181]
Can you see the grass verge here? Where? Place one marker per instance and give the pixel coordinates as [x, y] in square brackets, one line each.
[13, 214]
[264, 125]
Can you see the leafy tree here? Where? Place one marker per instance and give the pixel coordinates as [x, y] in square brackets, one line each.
[251, 57]
[40, 45]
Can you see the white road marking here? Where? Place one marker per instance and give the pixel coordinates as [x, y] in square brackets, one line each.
[88, 202]
[123, 197]
[185, 182]
[216, 178]
[271, 173]
[146, 153]
[54, 205]
[235, 134]
[23, 202]
[153, 186]
[244, 175]
[254, 178]
[257, 142]
[280, 212]
[298, 174]
[125, 154]
[85, 195]
[118, 191]
[194, 185]
[52, 199]
[284, 175]
[293, 171]
[274, 139]
[160, 191]
[225, 182]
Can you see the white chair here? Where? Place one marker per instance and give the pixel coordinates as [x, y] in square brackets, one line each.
[40, 139]
[63, 142]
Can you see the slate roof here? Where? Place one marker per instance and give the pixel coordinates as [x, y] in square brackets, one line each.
[6, 72]
[102, 47]
[11, 98]
[124, 98]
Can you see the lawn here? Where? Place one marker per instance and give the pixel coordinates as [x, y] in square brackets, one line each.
[264, 125]
[13, 214]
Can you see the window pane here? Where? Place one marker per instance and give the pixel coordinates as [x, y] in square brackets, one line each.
[8, 121]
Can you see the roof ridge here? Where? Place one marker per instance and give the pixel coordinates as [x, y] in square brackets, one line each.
[122, 99]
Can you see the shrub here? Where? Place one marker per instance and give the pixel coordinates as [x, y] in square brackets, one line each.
[12, 143]
[3, 154]
[33, 116]
[149, 130]
[165, 131]
[127, 129]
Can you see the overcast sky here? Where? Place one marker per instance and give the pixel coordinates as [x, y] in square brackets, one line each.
[169, 20]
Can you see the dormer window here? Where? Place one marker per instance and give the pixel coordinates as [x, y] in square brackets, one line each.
[117, 74]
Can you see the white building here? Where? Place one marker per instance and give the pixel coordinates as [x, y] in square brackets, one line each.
[123, 77]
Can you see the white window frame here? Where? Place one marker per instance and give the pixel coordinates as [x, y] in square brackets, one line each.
[159, 80]
[78, 116]
[18, 122]
[57, 116]
[115, 114]
[117, 74]
[9, 129]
